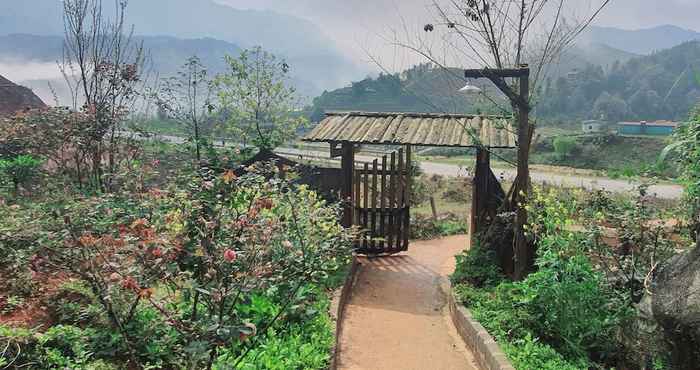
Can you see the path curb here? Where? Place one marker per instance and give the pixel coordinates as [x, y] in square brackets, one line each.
[487, 353]
[341, 297]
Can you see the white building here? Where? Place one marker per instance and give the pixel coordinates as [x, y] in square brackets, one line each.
[592, 126]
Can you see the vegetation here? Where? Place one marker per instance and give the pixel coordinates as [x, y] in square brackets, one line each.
[576, 310]
[254, 93]
[665, 85]
[120, 252]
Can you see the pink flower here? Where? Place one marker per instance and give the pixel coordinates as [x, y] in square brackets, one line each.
[230, 255]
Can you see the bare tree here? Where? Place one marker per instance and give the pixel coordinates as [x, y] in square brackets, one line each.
[186, 99]
[504, 35]
[102, 66]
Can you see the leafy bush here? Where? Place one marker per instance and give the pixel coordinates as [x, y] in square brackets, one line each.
[426, 228]
[478, 267]
[686, 143]
[19, 170]
[176, 274]
[564, 315]
[458, 190]
[564, 146]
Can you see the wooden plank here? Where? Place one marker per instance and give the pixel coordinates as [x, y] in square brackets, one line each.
[374, 204]
[407, 200]
[347, 166]
[400, 192]
[392, 203]
[365, 199]
[382, 204]
[357, 197]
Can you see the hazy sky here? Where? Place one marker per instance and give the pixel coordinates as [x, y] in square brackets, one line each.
[356, 25]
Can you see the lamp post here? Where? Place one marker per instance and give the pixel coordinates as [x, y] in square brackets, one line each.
[523, 255]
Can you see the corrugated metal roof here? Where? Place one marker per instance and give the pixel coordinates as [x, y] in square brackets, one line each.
[651, 123]
[424, 129]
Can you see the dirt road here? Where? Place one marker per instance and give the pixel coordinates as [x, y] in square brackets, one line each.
[397, 317]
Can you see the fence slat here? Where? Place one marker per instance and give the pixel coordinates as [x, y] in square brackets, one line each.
[374, 204]
[407, 200]
[382, 202]
[392, 203]
[365, 199]
[400, 200]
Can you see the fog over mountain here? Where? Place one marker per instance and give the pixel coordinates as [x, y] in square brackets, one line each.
[640, 41]
[216, 29]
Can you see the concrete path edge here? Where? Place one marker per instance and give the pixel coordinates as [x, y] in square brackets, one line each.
[487, 353]
[340, 299]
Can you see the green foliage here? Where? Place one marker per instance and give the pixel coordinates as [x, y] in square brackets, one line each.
[686, 143]
[561, 316]
[657, 86]
[10, 304]
[564, 146]
[530, 353]
[19, 170]
[304, 344]
[256, 96]
[478, 267]
[425, 227]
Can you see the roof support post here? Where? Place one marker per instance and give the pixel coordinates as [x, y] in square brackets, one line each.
[523, 252]
[347, 161]
[480, 190]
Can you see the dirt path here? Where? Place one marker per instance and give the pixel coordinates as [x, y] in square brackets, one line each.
[397, 317]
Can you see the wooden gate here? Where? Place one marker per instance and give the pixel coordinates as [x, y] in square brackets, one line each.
[381, 206]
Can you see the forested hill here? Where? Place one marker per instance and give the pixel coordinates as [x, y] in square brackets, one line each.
[423, 88]
[664, 85]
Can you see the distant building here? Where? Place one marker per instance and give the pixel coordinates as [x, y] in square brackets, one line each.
[592, 126]
[661, 128]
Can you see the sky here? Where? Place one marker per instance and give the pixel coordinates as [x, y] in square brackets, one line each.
[361, 27]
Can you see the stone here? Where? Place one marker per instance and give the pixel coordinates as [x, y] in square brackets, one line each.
[676, 308]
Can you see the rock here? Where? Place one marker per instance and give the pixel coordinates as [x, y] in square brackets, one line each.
[676, 307]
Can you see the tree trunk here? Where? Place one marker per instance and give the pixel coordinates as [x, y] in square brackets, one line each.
[522, 250]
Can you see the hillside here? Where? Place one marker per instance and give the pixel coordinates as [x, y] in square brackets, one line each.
[642, 41]
[14, 98]
[423, 88]
[303, 44]
[664, 85]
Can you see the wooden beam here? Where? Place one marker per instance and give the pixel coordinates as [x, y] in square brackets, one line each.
[347, 169]
[497, 77]
[503, 73]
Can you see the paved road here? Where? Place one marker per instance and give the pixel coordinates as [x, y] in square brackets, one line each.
[664, 191]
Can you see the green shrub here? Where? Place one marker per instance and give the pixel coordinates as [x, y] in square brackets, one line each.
[426, 228]
[478, 267]
[529, 353]
[564, 146]
[559, 317]
[19, 170]
[73, 304]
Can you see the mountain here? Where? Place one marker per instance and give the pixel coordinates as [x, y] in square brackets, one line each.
[312, 56]
[14, 98]
[641, 41]
[663, 85]
[423, 88]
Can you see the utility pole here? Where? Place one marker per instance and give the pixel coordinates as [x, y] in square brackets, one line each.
[523, 255]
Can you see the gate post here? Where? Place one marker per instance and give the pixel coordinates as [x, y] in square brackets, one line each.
[348, 170]
[480, 190]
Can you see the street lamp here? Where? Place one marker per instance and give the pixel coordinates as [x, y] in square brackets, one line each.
[470, 89]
